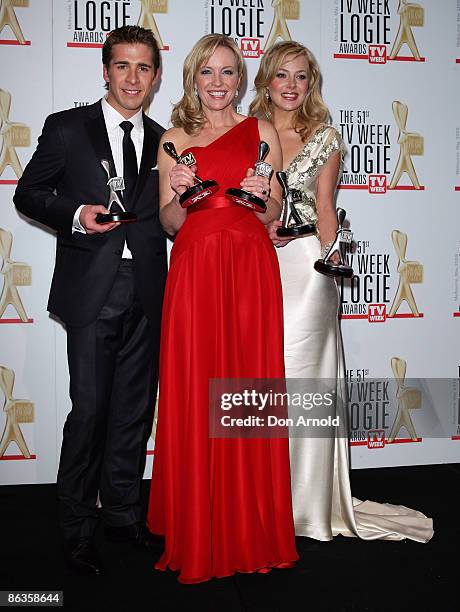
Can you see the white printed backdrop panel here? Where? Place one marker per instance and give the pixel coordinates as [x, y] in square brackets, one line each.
[27, 350]
[391, 80]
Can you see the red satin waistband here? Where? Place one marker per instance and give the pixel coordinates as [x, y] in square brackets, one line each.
[212, 202]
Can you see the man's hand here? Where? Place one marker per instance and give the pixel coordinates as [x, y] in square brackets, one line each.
[88, 219]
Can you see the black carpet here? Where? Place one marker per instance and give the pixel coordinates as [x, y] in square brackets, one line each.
[345, 575]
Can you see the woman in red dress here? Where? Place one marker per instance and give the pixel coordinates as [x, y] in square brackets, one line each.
[223, 505]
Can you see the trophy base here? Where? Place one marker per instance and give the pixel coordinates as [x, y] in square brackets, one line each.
[294, 231]
[116, 217]
[333, 270]
[243, 198]
[197, 193]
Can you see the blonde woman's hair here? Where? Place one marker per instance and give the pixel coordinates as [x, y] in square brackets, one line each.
[313, 111]
[188, 113]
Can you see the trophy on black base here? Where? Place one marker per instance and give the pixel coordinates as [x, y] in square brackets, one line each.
[244, 198]
[291, 197]
[202, 189]
[115, 183]
[339, 246]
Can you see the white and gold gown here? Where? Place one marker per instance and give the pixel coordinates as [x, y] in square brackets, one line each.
[322, 502]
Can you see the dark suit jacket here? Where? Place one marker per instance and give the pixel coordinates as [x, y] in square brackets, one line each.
[64, 173]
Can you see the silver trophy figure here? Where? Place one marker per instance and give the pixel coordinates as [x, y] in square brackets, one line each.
[342, 239]
[244, 198]
[115, 184]
[202, 189]
[293, 226]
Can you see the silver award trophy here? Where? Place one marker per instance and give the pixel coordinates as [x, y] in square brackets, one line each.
[293, 226]
[202, 189]
[244, 198]
[115, 183]
[339, 246]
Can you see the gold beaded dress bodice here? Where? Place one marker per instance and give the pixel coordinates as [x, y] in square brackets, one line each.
[303, 171]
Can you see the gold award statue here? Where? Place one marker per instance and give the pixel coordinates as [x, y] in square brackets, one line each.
[410, 15]
[17, 411]
[409, 398]
[8, 17]
[409, 272]
[155, 421]
[15, 274]
[410, 143]
[283, 10]
[146, 19]
[13, 135]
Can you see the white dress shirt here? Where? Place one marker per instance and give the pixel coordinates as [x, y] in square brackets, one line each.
[112, 120]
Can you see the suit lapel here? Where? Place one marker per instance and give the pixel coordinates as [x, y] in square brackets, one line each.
[149, 158]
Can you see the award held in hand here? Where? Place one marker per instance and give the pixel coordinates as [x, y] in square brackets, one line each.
[202, 189]
[117, 212]
[293, 226]
[337, 267]
[244, 198]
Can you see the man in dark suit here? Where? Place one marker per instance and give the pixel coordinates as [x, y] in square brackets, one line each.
[107, 288]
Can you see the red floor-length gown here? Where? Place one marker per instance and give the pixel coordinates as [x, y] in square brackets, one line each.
[224, 505]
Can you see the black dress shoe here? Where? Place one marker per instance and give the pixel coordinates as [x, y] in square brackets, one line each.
[136, 534]
[82, 557]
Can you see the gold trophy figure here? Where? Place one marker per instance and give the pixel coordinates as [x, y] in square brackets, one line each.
[146, 19]
[155, 421]
[410, 143]
[283, 9]
[17, 411]
[409, 398]
[8, 17]
[13, 135]
[15, 274]
[410, 15]
[409, 272]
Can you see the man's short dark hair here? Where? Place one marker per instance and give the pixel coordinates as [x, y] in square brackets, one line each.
[132, 35]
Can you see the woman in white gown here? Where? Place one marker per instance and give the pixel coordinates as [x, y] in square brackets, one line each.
[288, 94]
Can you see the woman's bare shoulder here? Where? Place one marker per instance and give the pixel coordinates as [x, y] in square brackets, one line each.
[266, 128]
[175, 135]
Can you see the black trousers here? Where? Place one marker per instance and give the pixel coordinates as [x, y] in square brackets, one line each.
[113, 364]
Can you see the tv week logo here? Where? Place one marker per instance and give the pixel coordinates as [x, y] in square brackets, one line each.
[250, 47]
[377, 313]
[377, 183]
[377, 54]
[376, 438]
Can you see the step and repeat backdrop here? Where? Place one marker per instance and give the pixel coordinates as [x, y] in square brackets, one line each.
[391, 78]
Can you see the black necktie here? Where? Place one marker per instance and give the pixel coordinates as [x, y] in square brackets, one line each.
[129, 164]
